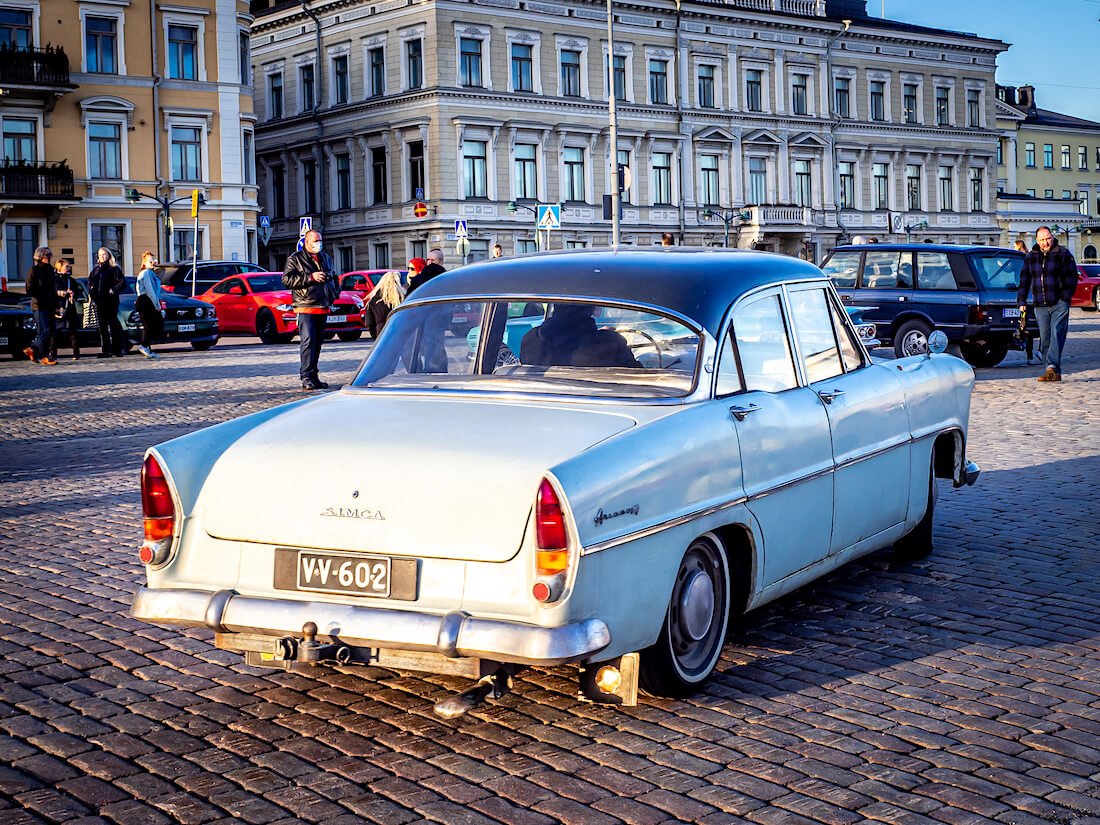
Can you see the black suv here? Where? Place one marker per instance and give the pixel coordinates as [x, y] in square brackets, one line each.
[176, 277]
[909, 290]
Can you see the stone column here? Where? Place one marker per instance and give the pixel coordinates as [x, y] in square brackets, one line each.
[780, 82]
[1010, 164]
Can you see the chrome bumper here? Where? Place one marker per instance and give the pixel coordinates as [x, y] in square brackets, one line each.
[454, 634]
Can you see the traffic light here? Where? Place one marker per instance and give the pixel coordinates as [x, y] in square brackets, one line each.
[197, 200]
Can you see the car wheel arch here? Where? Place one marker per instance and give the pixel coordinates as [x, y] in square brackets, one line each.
[741, 551]
[906, 317]
[949, 456]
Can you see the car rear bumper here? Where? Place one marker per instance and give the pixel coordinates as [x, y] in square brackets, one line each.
[454, 634]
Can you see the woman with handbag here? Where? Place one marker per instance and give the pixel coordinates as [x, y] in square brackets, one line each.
[68, 319]
[148, 305]
[106, 282]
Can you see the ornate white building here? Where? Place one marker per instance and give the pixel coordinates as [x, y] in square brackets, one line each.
[796, 123]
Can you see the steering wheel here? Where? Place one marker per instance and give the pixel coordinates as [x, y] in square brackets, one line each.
[652, 341]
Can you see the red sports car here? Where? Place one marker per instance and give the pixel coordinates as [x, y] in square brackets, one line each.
[362, 281]
[257, 303]
[1087, 295]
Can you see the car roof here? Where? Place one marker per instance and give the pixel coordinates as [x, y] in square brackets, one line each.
[923, 247]
[696, 283]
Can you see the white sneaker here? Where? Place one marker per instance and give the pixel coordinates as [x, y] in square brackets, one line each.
[148, 353]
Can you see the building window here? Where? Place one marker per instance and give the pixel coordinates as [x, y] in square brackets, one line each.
[573, 183]
[947, 180]
[376, 58]
[308, 88]
[379, 190]
[416, 167]
[882, 185]
[113, 236]
[943, 106]
[309, 186]
[847, 185]
[1098, 158]
[658, 81]
[418, 249]
[1065, 157]
[347, 259]
[183, 43]
[754, 90]
[343, 182]
[469, 62]
[20, 241]
[1048, 194]
[15, 29]
[278, 192]
[662, 178]
[1029, 154]
[1030, 193]
[244, 51]
[522, 63]
[973, 108]
[977, 188]
[20, 140]
[526, 245]
[340, 88]
[380, 252]
[248, 158]
[798, 94]
[1048, 155]
[186, 153]
[878, 100]
[473, 167]
[275, 96]
[706, 87]
[843, 96]
[618, 72]
[1066, 195]
[708, 179]
[623, 158]
[104, 151]
[525, 179]
[571, 73]
[909, 102]
[100, 39]
[758, 180]
[1001, 152]
[414, 63]
[1082, 158]
[185, 244]
[803, 195]
[912, 187]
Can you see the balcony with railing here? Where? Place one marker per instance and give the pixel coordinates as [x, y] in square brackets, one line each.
[46, 69]
[36, 182]
[784, 217]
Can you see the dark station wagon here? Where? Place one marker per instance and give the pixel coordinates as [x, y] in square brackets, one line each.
[909, 290]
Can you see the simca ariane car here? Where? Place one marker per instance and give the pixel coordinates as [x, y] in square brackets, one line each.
[627, 449]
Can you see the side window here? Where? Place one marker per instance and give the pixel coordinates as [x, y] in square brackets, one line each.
[763, 347]
[814, 330]
[850, 353]
[729, 378]
[842, 268]
[223, 287]
[934, 271]
[881, 270]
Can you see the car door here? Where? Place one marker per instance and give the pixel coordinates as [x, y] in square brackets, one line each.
[783, 433]
[843, 270]
[868, 422]
[234, 306]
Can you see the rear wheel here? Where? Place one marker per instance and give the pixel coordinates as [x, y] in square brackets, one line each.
[350, 336]
[694, 629]
[917, 543]
[912, 338]
[1096, 300]
[266, 329]
[983, 353]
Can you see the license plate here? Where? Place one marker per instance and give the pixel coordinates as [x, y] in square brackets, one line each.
[335, 319]
[1012, 312]
[3, 340]
[354, 574]
[186, 328]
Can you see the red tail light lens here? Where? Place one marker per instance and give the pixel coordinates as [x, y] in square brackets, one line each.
[156, 502]
[550, 534]
[978, 315]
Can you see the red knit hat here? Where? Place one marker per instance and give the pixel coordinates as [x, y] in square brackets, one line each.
[416, 264]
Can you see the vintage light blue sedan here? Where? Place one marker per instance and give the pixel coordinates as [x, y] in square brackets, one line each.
[629, 448]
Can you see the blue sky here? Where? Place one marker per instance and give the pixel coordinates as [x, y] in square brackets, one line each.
[1053, 43]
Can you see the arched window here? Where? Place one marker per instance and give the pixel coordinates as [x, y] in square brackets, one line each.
[1090, 253]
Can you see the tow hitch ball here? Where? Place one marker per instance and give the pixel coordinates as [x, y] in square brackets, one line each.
[308, 649]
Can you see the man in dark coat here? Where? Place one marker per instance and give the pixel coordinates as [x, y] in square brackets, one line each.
[434, 267]
[310, 274]
[42, 288]
[1050, 274]
[105, 283]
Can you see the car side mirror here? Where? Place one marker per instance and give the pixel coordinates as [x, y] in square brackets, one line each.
[937, 342]
[236, 290]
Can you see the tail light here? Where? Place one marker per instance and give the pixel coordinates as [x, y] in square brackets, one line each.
[552, 541]
[158, 511]
[978, 315]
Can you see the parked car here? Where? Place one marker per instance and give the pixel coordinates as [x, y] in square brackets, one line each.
[177, 277]
[17, 326]
[968, 292]
[1087, 295]
[608, 498]
[258, 304]
[362, 281]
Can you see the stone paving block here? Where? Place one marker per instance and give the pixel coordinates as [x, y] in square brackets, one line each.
[93, 792]
[568, 812]
[505, 812]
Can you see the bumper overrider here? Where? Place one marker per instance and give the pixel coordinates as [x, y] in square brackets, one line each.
[455, 634]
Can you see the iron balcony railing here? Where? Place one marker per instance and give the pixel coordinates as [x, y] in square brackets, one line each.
[34, 67]
[36, 180]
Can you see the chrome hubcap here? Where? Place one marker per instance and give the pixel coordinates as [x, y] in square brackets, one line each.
[697, 605]
[915, 343]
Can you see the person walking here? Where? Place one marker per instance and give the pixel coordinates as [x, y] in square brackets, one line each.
[42, 287]
[106, 282]
[498, 251]
[70, 321]
[383, 300]
[668, 239]
[1050, 274]
[434, 267]
[309, 273]
[1020, 246]
[148, 305]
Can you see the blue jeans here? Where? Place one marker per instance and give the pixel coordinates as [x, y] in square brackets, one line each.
[311, 334]
[43, 341]
[1053, 326]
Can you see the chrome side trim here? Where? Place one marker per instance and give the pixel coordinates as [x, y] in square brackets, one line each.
[848, 462]
[660, 526]
[454, 634]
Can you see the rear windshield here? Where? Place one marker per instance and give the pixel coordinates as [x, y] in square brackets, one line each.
[561, 348]
[998, 271]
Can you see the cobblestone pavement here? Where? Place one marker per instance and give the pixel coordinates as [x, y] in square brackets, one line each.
[962, 689]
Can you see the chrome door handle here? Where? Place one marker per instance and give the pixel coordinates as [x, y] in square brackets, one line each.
[828, 396]
[741, 413]
[902, 298]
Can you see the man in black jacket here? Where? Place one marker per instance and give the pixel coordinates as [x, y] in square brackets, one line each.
[434, 267]
[309, 273]
[42, 288]
[1050, 274]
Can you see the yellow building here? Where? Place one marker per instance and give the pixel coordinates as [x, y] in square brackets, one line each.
[99, 100]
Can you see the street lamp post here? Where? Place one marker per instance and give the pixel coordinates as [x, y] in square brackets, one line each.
[616, 195]
[726, 218]
[909, 229]
[514, 207]
[133, 196]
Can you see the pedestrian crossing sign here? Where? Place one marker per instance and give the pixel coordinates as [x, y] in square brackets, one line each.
[305, 224]
[549, 216]
[265, 220]
[461, 230]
